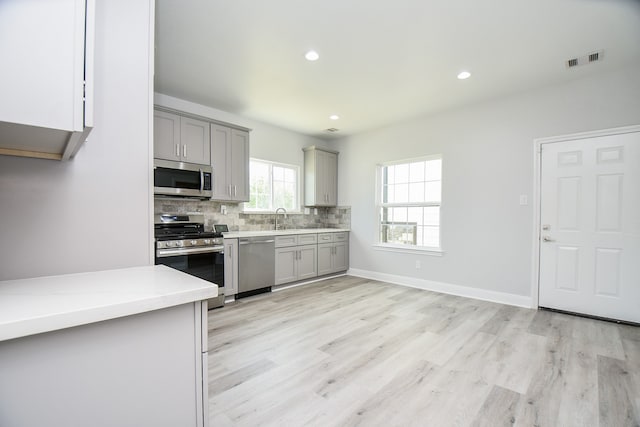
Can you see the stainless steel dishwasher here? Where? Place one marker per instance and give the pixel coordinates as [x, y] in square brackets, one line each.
[256, 264]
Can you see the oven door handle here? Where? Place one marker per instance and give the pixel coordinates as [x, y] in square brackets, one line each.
[164, 253]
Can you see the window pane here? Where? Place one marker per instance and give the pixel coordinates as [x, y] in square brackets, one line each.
[432, 215]
[408, 188]
[278, 173]
[401, 194]
[262, 202]
[432, 191]
[389, 175]
[402, 173]
[432, 236]
[387, 193]
[416, 172]
[272, 186]
[433, 170]
[416, 192]
[415, 215]
[289, 175]
[399, 214]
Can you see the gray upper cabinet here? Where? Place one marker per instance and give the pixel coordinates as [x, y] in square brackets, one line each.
[320, 177]
[179, 138]
[46, 77]
[230, 163]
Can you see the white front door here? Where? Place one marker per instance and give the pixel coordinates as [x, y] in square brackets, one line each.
[590, 226]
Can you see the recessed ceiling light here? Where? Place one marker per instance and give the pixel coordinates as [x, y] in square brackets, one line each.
[334, 117]
[312, 55]
[464, 75]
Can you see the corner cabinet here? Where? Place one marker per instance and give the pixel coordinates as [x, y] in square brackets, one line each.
[182, 139]
[46, 77]
[320, 177]
[230, 163]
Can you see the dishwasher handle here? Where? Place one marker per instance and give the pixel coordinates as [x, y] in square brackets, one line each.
[255, 242]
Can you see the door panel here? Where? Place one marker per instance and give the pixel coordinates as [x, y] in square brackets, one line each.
[590, 226]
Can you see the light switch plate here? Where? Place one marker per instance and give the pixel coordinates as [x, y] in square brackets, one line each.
[524, 200]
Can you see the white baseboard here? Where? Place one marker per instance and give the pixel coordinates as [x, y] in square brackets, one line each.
[446, 288]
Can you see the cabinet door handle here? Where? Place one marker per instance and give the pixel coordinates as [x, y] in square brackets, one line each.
[229, 190]
[235, 190]
[184, 151]
[177, 150]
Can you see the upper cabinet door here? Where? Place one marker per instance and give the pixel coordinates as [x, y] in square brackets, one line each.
[181, 139]
[46, 77]
[196, 145]
[166, 136]
[220, 157]
[331, 181]
[240, 165]
[320, 176]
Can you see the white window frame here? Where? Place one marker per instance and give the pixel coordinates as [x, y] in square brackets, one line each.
[296, 168]
[391, 247]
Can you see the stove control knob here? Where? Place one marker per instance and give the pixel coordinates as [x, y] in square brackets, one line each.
[179, 244]
[207, 241]
[168, 244]
[194, 242]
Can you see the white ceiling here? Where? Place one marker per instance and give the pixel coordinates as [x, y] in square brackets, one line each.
[380, 61]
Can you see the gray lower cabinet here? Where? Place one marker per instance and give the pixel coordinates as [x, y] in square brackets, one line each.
[296, 258]
[149, 369]
[296, 263]
[333, 254]
[230, 267]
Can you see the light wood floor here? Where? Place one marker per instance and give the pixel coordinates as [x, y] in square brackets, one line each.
[349, 351]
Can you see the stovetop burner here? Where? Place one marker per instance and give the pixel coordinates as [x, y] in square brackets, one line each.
[173, 226]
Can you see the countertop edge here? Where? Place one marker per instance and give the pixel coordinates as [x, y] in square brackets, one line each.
[49, 322]
[239, 234]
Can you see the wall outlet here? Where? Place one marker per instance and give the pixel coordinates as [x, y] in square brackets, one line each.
[418, 265]
[315, 211]
[223, 209]
[524, 200]
[307, 211]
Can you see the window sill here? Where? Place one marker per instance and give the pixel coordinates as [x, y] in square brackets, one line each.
[409, 250]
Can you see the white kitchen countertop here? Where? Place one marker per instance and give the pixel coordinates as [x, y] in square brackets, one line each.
[239, 234]
[44, 304]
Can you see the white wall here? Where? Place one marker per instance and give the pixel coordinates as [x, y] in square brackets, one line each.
[487, 164]
[268, 142]
[94, 212]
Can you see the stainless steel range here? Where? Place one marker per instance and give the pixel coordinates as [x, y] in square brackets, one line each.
[182, 243]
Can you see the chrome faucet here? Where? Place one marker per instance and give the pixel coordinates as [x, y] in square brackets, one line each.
[278, 211]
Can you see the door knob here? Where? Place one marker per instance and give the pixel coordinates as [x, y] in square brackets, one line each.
[547, 239]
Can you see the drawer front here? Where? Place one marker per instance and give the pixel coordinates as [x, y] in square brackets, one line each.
[340, 237]
[325, 237]
[307, 239]
[289, 240]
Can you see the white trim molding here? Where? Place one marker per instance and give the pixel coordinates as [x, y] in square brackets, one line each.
[446, 288]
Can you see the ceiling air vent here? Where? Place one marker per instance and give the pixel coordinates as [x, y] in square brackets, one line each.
[585, 59]
[332, 130]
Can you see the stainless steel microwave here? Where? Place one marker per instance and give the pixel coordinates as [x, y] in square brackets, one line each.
[180, 179]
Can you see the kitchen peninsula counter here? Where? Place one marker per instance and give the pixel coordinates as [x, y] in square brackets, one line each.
[123, 347]
[44, 304]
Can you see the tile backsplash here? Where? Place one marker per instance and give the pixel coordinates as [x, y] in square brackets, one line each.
[338, 217]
